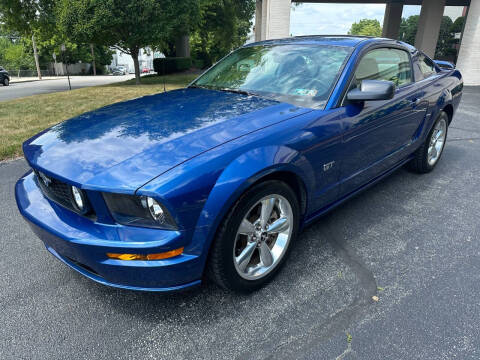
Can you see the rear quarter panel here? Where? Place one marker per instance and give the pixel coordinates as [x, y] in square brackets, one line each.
[440, 91]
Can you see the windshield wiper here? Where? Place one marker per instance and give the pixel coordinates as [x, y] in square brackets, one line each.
[237, 91]
[194, 86]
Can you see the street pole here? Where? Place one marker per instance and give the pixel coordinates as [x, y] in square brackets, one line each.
[35, 55]
[55, 66]
[163, 70]
[93, 61]
[63, 48]
[68, 77]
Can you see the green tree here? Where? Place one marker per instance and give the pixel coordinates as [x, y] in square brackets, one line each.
[28, 18]
[127, 25]
[223, 26]
[408, 29]
[75, 52]
[16, 58]
[366, 27]
[14, 54]
[446, 40]
[457, 25]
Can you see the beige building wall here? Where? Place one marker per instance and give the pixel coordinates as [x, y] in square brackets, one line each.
[469, 57]
[272, 19]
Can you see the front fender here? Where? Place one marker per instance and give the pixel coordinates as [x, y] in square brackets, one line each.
[238, 176]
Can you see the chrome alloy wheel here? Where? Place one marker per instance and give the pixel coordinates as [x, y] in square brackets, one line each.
[437, 141]
[263, 237]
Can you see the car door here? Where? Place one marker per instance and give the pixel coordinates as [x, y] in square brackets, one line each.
[377, 133]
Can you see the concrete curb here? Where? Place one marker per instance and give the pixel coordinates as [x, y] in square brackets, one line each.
[32, 80]
[9, 160]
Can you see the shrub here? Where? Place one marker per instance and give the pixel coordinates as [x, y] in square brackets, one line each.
[198, 63]
[171, 65]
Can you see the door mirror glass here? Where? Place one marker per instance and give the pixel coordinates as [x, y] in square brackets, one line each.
[371, 90]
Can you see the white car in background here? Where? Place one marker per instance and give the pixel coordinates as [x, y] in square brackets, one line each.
[119, 70]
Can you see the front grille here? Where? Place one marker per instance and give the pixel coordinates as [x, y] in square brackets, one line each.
[59, 192]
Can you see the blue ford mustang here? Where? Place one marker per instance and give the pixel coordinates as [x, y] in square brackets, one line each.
[218, 178]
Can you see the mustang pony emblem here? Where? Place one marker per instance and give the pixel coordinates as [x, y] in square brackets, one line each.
[45, 179]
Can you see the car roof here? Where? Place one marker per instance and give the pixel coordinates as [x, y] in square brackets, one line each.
[337, 40]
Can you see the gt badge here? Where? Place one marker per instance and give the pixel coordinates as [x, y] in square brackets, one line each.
[328, 165]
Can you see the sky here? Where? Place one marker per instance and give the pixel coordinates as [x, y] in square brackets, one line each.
[322, 18]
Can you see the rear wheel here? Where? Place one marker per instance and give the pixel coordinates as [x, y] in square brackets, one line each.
[6, 82]
[255, 237]
[428, 155]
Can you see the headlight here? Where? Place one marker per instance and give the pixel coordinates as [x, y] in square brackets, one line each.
[156, 210]
[139, 211]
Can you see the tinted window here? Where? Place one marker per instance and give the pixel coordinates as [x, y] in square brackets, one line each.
[300, 74]
[385, 64]
[427, 67]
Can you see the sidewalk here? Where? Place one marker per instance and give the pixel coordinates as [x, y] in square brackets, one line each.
[14, 79]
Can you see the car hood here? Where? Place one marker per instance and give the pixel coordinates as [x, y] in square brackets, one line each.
[122, 146]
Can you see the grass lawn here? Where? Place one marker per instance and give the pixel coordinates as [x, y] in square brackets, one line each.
[22, 118]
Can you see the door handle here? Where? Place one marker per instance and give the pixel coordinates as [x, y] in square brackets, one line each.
[416, 101]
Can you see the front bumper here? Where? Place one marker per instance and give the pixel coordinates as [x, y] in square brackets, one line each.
[82, 244]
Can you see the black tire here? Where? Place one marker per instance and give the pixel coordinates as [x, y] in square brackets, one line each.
[220, 266]
[419, 163]
[6, 82]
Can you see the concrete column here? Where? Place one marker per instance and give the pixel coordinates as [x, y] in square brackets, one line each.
[429, 26]
[258, 20]
[392, 20]
[469, 56]
[272, 19]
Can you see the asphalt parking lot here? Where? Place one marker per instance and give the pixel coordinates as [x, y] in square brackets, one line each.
[412, 240]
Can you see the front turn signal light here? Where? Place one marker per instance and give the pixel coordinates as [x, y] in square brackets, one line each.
[157, 256]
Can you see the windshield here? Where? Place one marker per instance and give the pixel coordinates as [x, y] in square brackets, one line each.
[300, 74]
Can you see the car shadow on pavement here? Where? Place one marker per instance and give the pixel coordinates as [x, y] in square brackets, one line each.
[322, 289]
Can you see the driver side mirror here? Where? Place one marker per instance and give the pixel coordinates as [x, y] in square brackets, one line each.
[371, 90]
[444, 64]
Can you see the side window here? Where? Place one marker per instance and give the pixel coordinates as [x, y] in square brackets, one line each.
[385, 64]
[427, 66]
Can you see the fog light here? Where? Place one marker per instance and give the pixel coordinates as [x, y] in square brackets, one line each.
[157, 256]
[78, 198]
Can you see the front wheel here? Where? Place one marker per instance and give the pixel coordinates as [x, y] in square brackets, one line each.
[428, 155]
[255, 237]
[6, 82]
